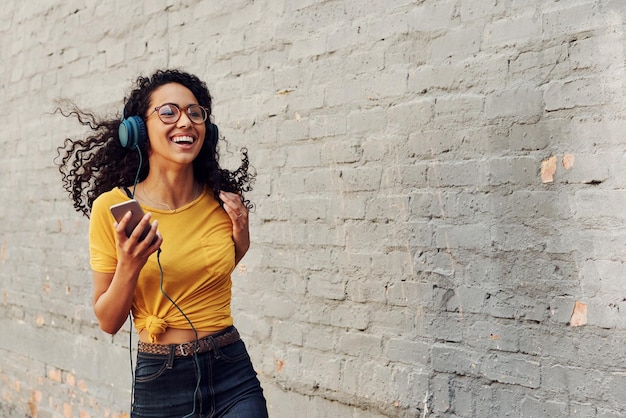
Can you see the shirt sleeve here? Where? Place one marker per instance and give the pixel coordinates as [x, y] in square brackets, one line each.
[102, 245]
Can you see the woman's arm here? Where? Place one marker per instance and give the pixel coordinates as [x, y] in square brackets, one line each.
[239, 216]
[113, 292]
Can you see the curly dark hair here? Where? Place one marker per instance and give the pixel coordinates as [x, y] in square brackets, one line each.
[99, 163]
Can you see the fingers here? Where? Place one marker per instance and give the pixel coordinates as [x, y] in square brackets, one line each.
[233, 205]
[140, 234]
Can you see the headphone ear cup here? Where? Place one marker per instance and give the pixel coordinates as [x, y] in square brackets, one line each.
[132, 132]
[213, 134]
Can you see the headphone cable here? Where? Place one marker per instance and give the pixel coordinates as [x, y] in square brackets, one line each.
[195, 354]
[138, 170]
[195, 351]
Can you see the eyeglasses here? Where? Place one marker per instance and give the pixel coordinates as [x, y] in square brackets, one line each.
[169, 113]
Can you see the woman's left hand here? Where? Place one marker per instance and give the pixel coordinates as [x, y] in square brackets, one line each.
[238, 212]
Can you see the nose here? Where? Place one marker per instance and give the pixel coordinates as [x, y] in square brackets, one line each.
[184, 121]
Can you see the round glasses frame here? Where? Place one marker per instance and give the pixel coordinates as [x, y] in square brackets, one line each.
[196, 113]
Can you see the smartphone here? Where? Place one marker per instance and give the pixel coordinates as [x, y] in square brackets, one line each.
[132, 205]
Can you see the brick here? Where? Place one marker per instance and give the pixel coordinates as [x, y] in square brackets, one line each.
[588, 169]
[342, 92]
[428, 143]
[536, 342]
[344, 36]
[541, 204]
[283, 332]
[577, 379]
[366, 291]
[279, 307]
[455, 43]
[323, 287]
[571, 18]
[432, 16]
[348, 208]
[512, 370]
[568, 94]
[445, 174]
[322, 338]
[463, 400]
[506, 305]
[385, 234]
[522, 105]
[399, 53]
[420, 112]
[429, 77]
[511, 31]
[350, 317]
[452, 358]
[517, 170]
[309, 209]
[323, 126]
[396, 263]
[531, 407]
[462, 236]
[442, 393]
[458, 109]
[601, 277]
[412, 388]
[479, 9]
[462, 299]
[355, 179]
[366, 121]
[389, 83]
[360, 345]
[294, 129]
[408, 352]
[606, 413]
[518, 238]
[348, 153]
[586, 206]
[373, 378]
[405, 176]
[493, 336]
[606, 314]
[587, 52]
[408, 294]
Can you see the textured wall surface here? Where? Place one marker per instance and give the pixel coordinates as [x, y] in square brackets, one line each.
[439, 207]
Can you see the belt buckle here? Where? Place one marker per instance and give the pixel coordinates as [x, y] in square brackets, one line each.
[183, 352]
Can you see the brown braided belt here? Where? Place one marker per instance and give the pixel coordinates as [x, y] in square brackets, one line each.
[205, 344]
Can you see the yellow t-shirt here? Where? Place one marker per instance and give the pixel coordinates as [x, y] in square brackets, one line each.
[198, 257]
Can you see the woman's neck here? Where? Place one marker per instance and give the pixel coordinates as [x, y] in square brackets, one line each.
[169, 191]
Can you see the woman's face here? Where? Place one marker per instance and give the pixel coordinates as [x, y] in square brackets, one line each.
[178, 143]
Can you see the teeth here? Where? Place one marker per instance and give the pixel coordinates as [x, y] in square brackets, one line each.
[181, 139]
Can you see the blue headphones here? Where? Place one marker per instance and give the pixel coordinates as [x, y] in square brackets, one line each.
[132, 132]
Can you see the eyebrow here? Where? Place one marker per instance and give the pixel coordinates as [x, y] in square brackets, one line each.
[177, 105]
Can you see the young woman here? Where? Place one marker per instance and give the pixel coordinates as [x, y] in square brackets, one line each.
[176, 279]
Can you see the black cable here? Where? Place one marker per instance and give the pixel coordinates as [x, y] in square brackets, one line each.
[195, 351]
[130, 349]
[130, 355]
[138, 171]
[130, 318]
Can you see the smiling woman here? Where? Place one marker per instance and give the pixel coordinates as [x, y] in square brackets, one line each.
[163, 155]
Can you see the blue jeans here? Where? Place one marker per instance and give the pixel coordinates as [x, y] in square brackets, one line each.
[168, 386]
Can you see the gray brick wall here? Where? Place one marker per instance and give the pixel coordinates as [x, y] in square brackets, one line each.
[439, 184]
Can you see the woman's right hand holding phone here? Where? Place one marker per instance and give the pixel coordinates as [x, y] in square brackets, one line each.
[133, 251]
[113, 292]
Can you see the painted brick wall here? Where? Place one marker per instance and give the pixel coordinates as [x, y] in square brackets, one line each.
[439, 206]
